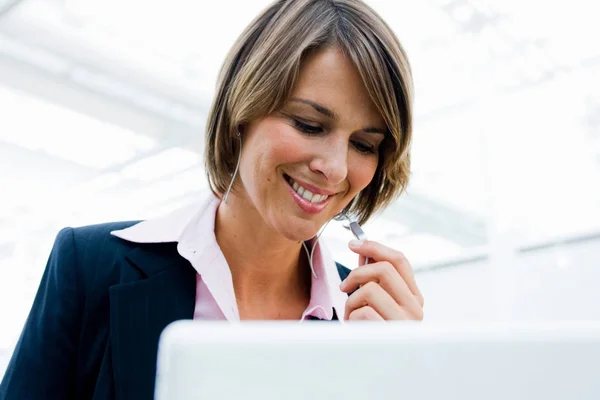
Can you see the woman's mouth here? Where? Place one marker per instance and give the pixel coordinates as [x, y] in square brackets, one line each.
[304, 192]
[307, 200]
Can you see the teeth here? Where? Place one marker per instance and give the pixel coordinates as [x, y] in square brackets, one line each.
[307, 194]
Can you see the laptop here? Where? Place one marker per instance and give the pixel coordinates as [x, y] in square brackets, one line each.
[323, 361]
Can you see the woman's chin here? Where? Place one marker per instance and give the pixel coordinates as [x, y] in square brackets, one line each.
[298, 232]
[299, 236]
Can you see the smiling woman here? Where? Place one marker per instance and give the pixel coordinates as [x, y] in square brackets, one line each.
[274, 59]
[311, 121]
[324, 140]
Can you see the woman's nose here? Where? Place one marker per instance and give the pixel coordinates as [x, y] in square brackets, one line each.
[331, 161]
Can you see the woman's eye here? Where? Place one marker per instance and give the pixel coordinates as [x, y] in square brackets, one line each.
[307, 128]
[364, 147]
[310, 129]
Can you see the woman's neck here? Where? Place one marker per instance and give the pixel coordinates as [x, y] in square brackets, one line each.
[267, 269]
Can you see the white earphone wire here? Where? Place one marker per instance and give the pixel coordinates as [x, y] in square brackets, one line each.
[236, 170]
[312, 250]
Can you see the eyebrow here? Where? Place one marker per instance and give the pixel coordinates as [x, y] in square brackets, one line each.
[330, 114]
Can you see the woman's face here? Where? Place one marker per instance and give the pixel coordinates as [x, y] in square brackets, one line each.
[303, 164]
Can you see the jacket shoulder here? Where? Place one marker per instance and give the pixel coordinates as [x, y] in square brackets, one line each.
[69, 313]
[96, 254]
[100, 231]
[96, 240]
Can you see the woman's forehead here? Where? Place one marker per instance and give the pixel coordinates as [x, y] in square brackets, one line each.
[329, 79]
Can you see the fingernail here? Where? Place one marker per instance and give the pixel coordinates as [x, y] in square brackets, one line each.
[355, 243]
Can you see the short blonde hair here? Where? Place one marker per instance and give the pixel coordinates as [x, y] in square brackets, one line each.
[262, 68]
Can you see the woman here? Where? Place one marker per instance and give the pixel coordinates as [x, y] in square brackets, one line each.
[311, 121]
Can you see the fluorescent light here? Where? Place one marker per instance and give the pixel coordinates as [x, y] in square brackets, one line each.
[167, 189]
[116, 88]
[165, 163]
[105, 84]
[37, 125]
[33, 56]
[99, 184]
[102, 83]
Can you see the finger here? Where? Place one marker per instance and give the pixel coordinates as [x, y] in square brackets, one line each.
[388, 278]
[373, 295]
[378, 252]
[365, 313]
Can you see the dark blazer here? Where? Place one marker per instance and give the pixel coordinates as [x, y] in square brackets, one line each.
[94, 326]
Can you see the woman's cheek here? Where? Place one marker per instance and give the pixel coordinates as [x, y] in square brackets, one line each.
[361, 170]
[291, 144]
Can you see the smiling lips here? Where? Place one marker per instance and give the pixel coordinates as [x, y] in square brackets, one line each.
[305, 198]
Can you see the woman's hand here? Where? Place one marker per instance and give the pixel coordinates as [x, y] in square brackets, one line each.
[385, 288]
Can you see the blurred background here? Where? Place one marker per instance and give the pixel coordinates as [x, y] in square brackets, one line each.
[102, 113]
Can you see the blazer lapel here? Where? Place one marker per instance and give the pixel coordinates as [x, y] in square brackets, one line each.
[159, 288]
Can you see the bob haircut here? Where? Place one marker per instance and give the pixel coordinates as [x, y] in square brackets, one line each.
[261, 69]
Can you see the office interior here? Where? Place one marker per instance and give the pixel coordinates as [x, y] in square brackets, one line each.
[103, 107]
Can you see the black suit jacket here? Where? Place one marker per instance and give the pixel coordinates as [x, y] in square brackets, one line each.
[94, 326]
